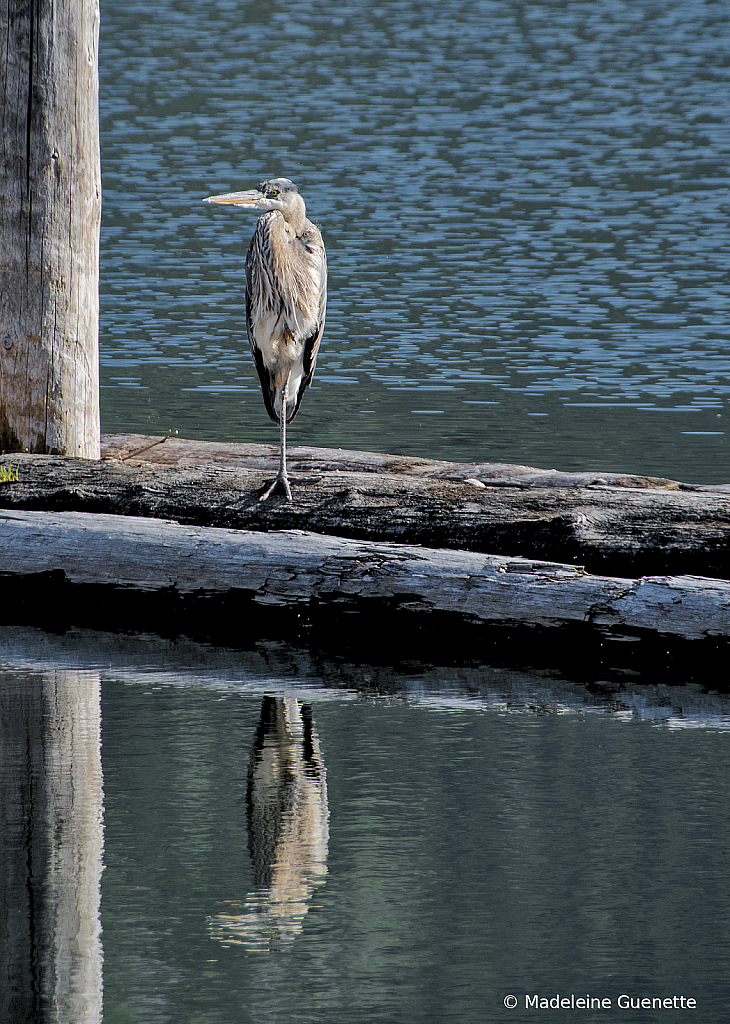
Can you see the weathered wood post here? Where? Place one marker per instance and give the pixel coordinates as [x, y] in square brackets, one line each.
[50, 212]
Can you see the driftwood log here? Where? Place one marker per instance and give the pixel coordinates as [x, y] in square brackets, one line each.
[292, 570]
[611, 524]
[433, 543]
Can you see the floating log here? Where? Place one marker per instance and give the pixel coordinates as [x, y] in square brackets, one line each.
[294, 570]
[612, 524]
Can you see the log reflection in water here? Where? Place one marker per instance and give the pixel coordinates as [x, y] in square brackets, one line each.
[51, 843]
[288, 829]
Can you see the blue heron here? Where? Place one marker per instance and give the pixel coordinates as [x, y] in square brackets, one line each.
[286, 298]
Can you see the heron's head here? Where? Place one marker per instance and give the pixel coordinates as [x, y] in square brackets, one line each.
[274, 194]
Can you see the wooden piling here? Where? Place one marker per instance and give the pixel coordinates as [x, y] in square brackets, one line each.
[49, 227]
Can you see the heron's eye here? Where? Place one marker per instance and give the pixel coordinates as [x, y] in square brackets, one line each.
[274, 193]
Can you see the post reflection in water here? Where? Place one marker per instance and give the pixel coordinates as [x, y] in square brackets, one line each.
[51, 842]
[288, 830]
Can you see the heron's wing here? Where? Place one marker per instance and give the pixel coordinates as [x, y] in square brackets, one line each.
[312, 342]
[267, 386]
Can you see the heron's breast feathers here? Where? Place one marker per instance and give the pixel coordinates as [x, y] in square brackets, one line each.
[286, 287]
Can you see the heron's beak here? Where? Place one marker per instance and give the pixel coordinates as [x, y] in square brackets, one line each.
[247, 199]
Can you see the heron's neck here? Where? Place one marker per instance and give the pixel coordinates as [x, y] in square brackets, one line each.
[296, 215]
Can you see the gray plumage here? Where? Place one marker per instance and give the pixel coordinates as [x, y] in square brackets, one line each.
[286, 299]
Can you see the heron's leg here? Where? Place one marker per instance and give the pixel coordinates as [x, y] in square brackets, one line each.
[281, 476]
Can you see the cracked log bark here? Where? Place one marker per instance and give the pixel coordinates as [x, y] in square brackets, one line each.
[49, 227]
[295, 570]
[613, 524]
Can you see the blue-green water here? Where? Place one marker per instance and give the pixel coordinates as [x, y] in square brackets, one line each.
[525, 207]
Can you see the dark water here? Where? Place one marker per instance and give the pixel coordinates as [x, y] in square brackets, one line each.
[525, 206]
[295, 838]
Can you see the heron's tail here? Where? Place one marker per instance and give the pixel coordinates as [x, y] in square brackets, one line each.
[298, 383]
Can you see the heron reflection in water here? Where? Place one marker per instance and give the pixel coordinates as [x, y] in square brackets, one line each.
[288, 830]
[286, 298]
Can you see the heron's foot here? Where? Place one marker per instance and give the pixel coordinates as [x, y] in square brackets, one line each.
[281, 480]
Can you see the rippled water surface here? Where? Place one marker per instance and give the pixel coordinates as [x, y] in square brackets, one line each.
[525, 207]
[289, 837]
